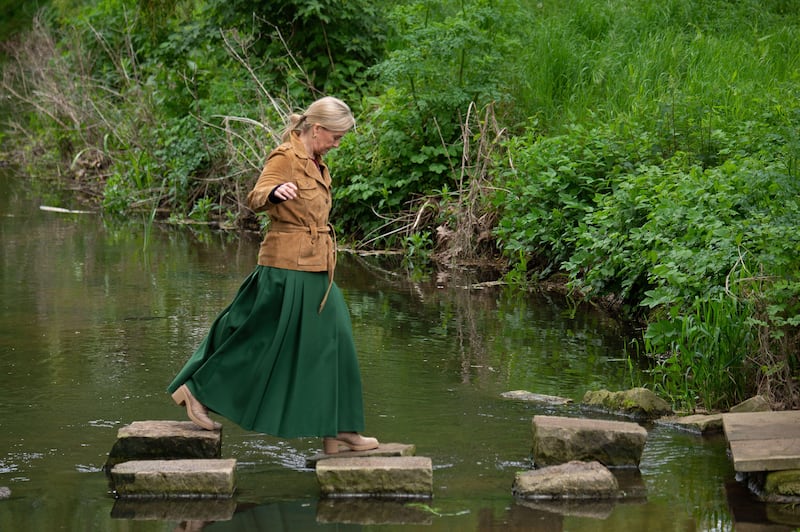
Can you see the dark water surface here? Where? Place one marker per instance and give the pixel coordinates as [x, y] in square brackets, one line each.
[96, 318]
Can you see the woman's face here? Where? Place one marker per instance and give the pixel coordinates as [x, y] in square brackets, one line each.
[325, 140]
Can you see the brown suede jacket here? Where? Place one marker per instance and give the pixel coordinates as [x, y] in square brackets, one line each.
[299, 236]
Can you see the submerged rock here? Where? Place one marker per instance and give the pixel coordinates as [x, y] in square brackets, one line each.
[5, 493]
[640, 403]
[712, 423]
[369, 511]
[783, 486]
[599, 509]
[523, 395]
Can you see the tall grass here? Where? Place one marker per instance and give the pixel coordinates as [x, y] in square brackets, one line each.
[702, 354]
[586, 57]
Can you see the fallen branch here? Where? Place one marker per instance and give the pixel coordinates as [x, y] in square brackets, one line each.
[62, 210]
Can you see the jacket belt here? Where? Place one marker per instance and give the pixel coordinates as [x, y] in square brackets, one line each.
[285, 227]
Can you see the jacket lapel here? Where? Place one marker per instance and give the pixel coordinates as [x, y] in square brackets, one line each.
[319, 174]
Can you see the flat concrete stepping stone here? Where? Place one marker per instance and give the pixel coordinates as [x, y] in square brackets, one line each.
[174, 478]
[384, 449]
[376, 476]
[764, 441]
[558, 440]
[164, 440]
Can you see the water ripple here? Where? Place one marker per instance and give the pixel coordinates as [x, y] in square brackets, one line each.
[104, 423]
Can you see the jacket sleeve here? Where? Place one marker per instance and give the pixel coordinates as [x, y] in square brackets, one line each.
[278, 170]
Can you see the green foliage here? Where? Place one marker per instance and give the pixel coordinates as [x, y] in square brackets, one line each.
[776, 319]
[585, 58]
[555, 182]
[702, 354]
[723, 348]
[184, 155]
[517, 276]
[202, 209]
[333, 41]
[386, 165]
[443, 51]
[410, 138]
[672, 232]
[15, 17]
[418, 247]
[661, 226]
[163, 78]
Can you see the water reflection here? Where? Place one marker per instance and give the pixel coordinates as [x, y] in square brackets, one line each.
[97, 316]
[201, 511]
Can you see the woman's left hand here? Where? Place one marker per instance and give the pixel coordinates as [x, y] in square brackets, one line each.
[286, 191]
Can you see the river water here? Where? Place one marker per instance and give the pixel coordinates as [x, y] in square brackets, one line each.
[97, 316]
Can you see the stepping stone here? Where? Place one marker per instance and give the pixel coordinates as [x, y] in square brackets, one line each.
[384, 449]
[704, 424]
[376, 476]
[163, 440]
[558, 440]
[573, 480]
[763, 441]
[174, 478]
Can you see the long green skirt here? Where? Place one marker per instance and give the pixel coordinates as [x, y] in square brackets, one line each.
[272, 363]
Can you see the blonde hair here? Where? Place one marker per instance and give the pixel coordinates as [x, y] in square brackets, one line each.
[329, 112]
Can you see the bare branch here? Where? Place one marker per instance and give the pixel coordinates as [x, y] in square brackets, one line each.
[228, 38]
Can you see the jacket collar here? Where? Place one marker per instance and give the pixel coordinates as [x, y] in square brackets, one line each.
[319, 173]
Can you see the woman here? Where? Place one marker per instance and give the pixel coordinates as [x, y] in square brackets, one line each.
[281, 358]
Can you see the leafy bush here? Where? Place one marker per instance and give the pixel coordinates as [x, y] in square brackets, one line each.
[663, 232]
[410, 144]
[313, 47]
[554, 183]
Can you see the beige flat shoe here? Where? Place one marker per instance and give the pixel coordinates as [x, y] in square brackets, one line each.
[194, 409]
[352, 440]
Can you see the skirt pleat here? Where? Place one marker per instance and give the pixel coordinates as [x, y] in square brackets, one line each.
[272, 363]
